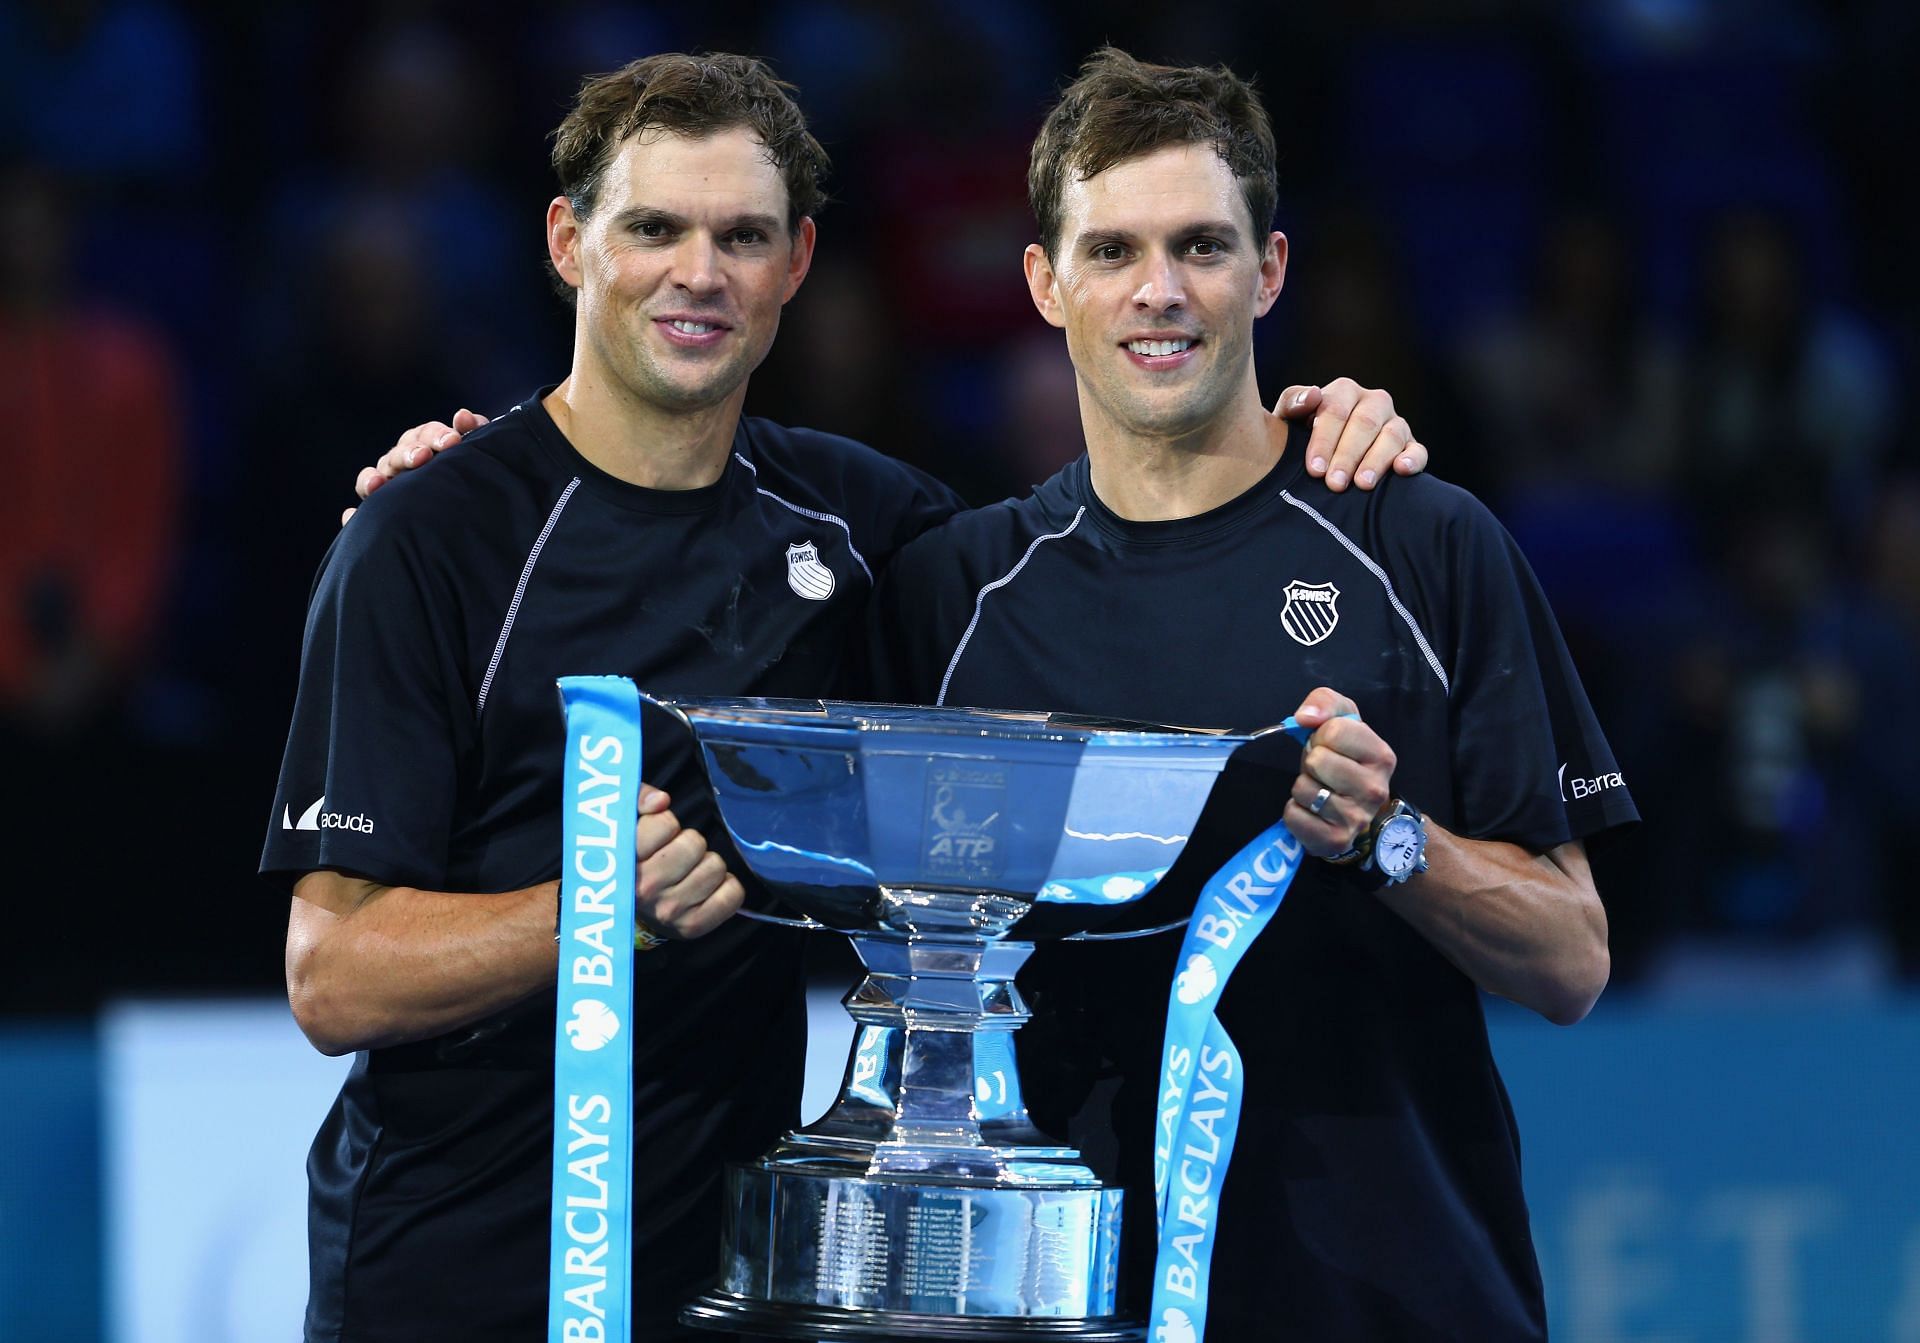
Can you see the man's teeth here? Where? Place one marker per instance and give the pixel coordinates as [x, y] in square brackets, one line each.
[1158, 346]
[693, 328]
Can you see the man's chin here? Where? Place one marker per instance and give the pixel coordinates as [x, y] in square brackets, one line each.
[686, 395]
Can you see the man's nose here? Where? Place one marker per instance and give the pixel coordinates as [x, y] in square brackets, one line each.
[696, 264]
[1160, 288]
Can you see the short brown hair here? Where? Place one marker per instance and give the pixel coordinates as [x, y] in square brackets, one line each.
[693, 96]
[1121, 108]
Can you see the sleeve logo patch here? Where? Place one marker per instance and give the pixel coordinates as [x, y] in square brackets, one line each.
[313, 818]
[806, 575]
[1312, 611]
[1575, 789]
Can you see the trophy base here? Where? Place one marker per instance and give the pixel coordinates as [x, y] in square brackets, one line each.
[816, 1253]
[738, 1314]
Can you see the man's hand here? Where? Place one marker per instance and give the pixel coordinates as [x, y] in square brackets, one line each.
[416, 447]
[1356, 433]
[684, 888]
[1347, 760]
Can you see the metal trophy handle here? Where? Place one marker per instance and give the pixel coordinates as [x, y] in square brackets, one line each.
[925, 1204]
[812, 925]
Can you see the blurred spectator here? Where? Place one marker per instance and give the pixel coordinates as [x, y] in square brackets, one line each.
[1791, 700]
[90, 527]
[1346, 298]
[411, 124]
[1779, 387]
[369, 362]
[1577, 386]
[90, 520]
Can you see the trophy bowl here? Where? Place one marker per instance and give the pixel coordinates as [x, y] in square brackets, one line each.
[924, 1203]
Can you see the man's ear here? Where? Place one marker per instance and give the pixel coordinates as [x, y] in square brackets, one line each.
[1043, 285]
[563, 240]
[1273, 273]
[800, 257]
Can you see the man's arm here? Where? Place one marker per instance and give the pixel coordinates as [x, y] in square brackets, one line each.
[371, 965]
[1527, 926]
[1357, 436]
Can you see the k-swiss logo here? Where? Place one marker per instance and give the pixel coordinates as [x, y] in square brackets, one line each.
[806, 575]
[313, 818]
[1312, 611]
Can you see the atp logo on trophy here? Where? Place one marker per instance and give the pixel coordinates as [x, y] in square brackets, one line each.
[806, 575]
[963, 802]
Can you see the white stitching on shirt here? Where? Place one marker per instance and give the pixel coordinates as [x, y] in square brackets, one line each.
[513, 608]
[841, 523]
[1393, 597]
[980, 597]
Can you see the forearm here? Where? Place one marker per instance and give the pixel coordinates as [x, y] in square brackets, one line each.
[1529, 927]
[370, 965]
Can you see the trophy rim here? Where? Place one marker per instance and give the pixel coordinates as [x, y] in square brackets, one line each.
[937, 720]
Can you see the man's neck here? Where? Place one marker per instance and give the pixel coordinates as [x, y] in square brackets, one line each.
[641, 443]
[1152, 478]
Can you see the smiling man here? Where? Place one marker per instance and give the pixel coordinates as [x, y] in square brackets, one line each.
[1189, 569]
[627, 520]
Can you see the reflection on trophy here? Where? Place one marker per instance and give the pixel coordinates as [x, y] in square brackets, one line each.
[924, 1204]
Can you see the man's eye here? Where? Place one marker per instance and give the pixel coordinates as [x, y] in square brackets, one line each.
[1203, 247]
[748, 237]
[650, 228]
[1109, 251]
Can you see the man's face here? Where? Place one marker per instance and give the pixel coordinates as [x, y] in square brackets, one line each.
[1157, 279]
[683, 266]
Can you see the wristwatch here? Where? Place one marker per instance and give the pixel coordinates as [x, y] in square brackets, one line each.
[1398, 843]
[1394, 845]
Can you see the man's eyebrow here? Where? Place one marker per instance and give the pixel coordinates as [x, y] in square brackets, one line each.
[1224, 229]
[1100, 237]
[648, 214]
[764, 222]
[652, 214]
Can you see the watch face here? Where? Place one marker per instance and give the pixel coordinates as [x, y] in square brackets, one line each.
[1397, 850]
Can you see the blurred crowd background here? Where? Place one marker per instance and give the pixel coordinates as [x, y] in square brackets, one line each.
[1636, 270]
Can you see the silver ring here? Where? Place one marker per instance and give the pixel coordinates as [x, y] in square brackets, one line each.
[1319, 803]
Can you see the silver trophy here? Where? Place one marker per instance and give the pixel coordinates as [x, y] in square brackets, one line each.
[925, 1204]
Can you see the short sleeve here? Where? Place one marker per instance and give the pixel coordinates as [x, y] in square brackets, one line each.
[917, 503]
[368, 784]
[914, 621]
[1531, 764]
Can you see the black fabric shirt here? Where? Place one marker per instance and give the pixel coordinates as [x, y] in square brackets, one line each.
[1375, 1190]
[426, 750]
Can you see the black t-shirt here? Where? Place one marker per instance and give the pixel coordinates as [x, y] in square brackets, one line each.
[426, 750]
[1375, 1191]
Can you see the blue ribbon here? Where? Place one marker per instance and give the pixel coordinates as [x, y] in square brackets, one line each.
[589, 1282]
[1200, 1075]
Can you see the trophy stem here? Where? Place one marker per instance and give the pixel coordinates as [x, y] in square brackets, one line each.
[924, 1203]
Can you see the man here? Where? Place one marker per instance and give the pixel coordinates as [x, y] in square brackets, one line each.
[1188, 569]
[626, 520]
